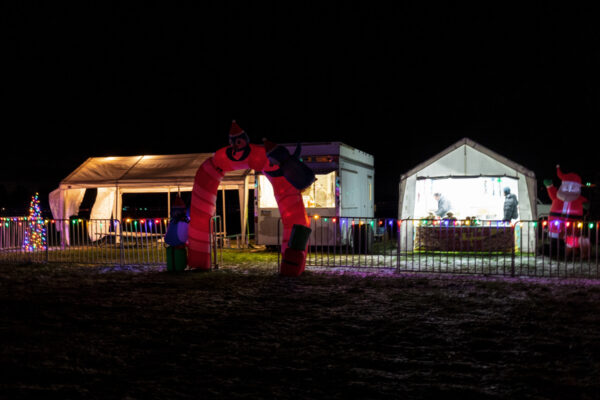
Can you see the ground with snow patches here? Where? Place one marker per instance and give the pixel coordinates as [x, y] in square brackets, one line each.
[245, 332]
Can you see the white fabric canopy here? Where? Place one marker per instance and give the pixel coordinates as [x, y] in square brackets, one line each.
[113, 176]
[64, 203]
[102, 210]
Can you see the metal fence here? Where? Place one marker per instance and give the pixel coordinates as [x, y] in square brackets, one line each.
[524, 248]
[84, 241]
[99, 241]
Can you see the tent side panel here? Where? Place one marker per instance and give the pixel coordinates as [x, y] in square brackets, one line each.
[532, 191]
[407, 197]
[407, 194]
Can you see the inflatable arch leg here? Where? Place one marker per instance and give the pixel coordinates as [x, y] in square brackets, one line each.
[292, 211]
[203, 206]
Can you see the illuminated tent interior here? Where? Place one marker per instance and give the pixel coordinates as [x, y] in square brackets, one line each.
[472, 178]
[114, 176]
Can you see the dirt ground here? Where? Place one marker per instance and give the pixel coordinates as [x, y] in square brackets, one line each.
[142, 333]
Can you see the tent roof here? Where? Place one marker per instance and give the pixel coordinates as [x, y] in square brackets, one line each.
[468, 143]
[146, 170]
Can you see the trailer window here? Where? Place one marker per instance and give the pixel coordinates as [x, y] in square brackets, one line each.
[266, 198]
[321, 194]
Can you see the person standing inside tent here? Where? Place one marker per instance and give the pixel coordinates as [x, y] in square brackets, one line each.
[443, 205]
[511, 205]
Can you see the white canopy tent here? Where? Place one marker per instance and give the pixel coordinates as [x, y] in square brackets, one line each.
[473, 178]
[461, 165]
[114, 176]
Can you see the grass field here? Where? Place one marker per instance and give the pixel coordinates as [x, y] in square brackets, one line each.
[519, 264]
[76, 331]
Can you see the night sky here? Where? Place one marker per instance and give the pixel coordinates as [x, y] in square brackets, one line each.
[401, 82]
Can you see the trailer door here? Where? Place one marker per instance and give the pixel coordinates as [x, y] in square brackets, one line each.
[349, 182]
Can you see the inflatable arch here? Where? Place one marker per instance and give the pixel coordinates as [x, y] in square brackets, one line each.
[287, 174]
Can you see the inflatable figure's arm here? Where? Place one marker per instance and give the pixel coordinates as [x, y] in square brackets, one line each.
[551, 189]
[552, 192]
[297, 151]
[292, 168]
[585, 203]
[275, 173]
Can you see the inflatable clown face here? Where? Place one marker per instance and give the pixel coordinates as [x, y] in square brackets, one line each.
[238, 138]
[240, 142]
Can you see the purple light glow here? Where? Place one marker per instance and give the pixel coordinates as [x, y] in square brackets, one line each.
[366, 272]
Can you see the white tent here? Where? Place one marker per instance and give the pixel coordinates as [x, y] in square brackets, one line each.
[472, 177]
[114, 176]
[470, 170]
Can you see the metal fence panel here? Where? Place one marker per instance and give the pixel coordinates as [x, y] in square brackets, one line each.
[14, 232]
[87, 241]
[523, 248]
[98, 241]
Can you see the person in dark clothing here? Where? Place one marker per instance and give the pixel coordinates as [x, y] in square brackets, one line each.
[511, 209]
[443, 205]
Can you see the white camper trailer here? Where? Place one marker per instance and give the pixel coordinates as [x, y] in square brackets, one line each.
[344, 187]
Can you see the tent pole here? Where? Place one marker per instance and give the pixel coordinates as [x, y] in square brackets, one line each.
[119, 212]
[224, 213]
[245, 213]
[169, 203]
[115, 211]
[64, 237]
[242, 198]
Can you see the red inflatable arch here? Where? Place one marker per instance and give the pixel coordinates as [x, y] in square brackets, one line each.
[243, 155]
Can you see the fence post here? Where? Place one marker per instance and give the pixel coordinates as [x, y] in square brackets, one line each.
[47, 242]
[279, 246]
[398, 242]
[121, 248]
[512, 257]
[213, 241]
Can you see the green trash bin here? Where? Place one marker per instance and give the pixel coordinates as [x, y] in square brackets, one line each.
[176, 258]
[299, 237]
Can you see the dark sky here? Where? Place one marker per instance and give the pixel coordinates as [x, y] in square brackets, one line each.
[401, 82]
